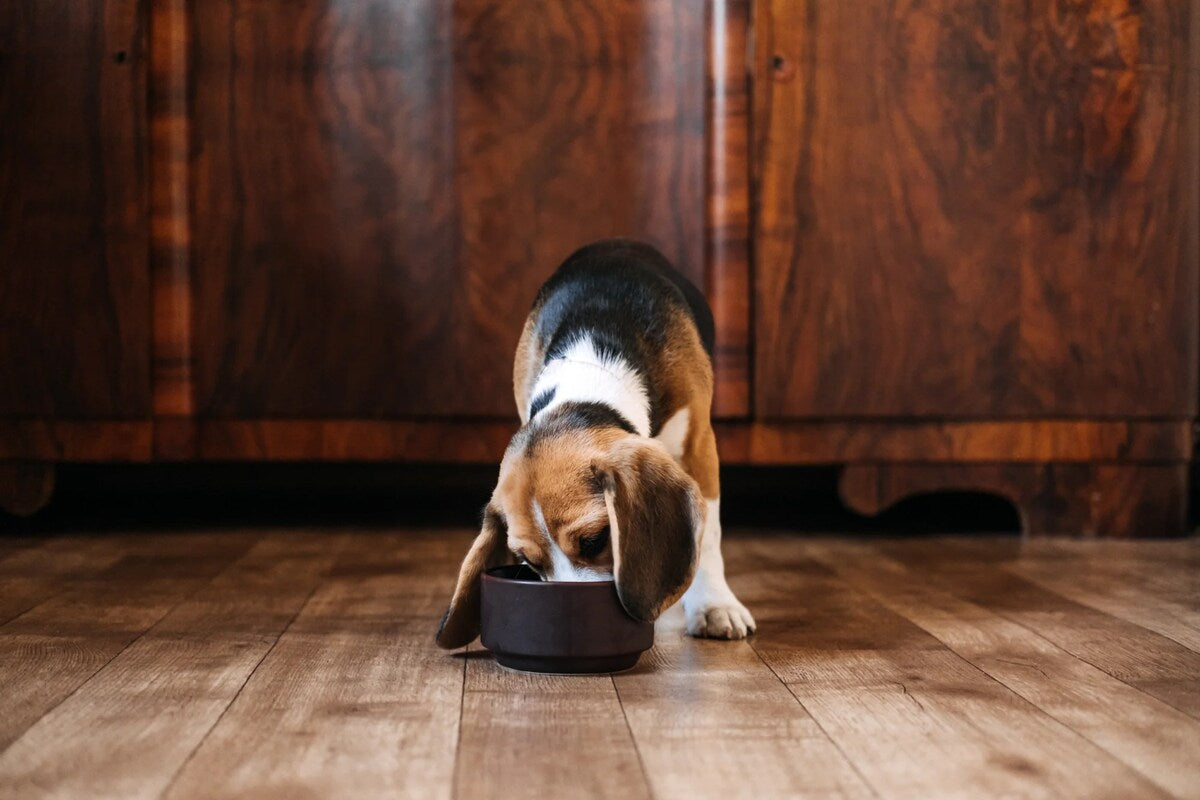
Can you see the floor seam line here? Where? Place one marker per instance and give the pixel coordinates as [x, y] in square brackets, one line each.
[1022, 699]
[637, 751]
[183, 765]
[1047, 587]
[124, 648]
[870, 786]
[462, 705]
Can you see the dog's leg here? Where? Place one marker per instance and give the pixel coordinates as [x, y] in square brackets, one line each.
[709, 605]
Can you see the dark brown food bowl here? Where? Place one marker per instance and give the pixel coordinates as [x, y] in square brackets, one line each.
[565, 627]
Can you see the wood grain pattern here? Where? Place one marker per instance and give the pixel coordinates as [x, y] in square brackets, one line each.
[483, 441]
[727, 191]
[74, 290]
[170, 242]
[911, 714]
[517, 728]
[1122, 597]
[356, 440]
[45, 568]
[379, 189]
[783, 443]
[1153, 663]
[53, 648]
[978, 211]
[1087, 500]
[710, 714]
[377, 710]
[1142, 732]
[69, 440]
[832, 441]
[205, 648]
[897, 668]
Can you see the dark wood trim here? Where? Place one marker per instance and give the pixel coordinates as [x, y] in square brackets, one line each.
[169, 223]
[727, 223]
[76, 440]
[354, 440]
[483, 441]
[740, 443]
[1085, 500]
[960, 441]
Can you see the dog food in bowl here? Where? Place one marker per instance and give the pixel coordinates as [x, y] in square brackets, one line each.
[561, 627]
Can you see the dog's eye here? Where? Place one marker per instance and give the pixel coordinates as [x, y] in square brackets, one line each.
[592, 546]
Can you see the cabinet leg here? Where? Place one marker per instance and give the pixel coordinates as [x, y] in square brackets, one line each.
[1086, 500]
[25, 486]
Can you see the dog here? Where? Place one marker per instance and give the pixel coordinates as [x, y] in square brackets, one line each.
[613, 474]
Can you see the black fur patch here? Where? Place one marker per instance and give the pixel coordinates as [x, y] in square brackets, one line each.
[621, 294]
[574, 416]
[541, 401]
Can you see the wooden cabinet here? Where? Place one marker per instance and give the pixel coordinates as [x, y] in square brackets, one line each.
[984, 219]
[379, 188]
[74, 285]
[947, 245]
[977, 213]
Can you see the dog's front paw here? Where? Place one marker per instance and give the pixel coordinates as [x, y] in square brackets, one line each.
[724, 619]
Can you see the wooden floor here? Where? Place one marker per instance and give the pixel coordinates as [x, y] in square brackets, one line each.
[298, 664]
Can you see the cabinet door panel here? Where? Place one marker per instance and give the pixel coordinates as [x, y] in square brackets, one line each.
[380, 187]
[978, 210]
[74, 284]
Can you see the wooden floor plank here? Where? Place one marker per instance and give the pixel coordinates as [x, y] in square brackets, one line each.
[1149, 661]
[1157, 574]
[914, 717]
[1118, 595]
[926, 668]
[1154, 738]
[711, 719]
[159, 697]
[43, 568]
[50, 650]
[543, 736]
[353, 700]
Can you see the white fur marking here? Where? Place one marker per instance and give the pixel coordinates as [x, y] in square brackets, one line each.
[674, 433]
[562, 568]
[709, 605]
[581, 375]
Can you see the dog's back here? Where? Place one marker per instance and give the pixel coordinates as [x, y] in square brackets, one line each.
[621, 292]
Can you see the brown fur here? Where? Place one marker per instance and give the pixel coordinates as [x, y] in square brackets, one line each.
[557, 472]
[585, 478]
[684, 376]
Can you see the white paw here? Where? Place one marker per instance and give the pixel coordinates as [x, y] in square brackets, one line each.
[724, 619]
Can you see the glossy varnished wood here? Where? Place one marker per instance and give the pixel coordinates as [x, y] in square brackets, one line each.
[74, 285]
[1085, 500]
[53, 440]
[170, 241]
[378, 189]
[1026, 441]
[977, 210]
[301, 663]
[818, 442]
[727, 223]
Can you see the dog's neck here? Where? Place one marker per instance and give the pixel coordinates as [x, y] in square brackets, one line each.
[582, 375]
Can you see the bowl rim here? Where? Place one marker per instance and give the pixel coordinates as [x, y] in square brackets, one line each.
[488, 576]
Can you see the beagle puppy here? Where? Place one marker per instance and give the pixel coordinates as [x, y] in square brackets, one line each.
[613, 473]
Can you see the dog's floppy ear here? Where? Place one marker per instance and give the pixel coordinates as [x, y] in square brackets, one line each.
[654, 513]
[460, 625]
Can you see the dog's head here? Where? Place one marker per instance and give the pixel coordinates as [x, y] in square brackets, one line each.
[585, 503]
